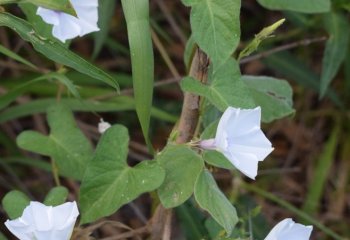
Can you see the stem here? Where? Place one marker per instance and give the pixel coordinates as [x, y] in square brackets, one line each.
[186, 128]
[190, 109]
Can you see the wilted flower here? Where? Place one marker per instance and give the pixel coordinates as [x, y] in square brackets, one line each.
[103, 126]
[289, 230]
[240, 139]
[66, 26]
[40, 222]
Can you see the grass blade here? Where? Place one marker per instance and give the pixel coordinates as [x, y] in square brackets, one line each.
[140, 42]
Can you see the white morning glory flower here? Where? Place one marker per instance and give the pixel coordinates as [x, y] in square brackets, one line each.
[40, 222]
[289, 230]
[240, 139]
[66, 26]
[103, 126]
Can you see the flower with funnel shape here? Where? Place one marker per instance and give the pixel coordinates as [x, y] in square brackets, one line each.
[240, 139]
[66, 26]
[289, 230]
[41, 222]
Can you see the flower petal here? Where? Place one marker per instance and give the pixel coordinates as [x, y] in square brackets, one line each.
[42, 218]
[65, 215]
[241, 140]
[247, 163]
[20, 229]
[42, 222]
[49, 16]
[289, 230]
[68, 28]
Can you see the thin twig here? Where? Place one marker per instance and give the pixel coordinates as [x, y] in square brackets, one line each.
[164, 55]
[172, 21]
[285, 47]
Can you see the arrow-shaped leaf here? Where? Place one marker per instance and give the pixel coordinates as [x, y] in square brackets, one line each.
[66, 144]
[109, 182]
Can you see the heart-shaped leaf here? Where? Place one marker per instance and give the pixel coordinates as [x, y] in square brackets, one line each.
[182, 166]
[216, 27]
[66, 144]
[109, 182]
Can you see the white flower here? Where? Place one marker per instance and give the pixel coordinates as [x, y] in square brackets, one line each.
[240, 139]
[103, 126]
[289, 230]
[40, 222]
[66, 26]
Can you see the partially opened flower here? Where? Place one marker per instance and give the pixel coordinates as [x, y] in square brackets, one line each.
[289, 230]
[103, 126]
[66, 26]
[240, 139]
[40, 222]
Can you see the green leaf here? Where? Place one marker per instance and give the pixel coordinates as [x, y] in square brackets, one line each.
[109, 182]
[56, 196]
[14, 203]
[321, 173]
[217, 159]
[16, 57]
[139, 34]
[59, 5]
[106, 10]
[216, 27]
[54, 50]
[42, 28]
[66, 144]
[2, 2]
[225, 89]
[261, 36]
[338, 27]
[210, 198]
[182, 166]
[309, 6]
[275, 96]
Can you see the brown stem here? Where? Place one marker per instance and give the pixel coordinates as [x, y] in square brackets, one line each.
[190, 109]
[161, 221]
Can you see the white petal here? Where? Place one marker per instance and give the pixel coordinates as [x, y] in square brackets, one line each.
[18, 228]
[49, 16]
[42, 222]
[87, 13]
[226, 122]
[68, 28]
[289, 230]
[65, 215]
[83, 3]
[245, 162]
[42, 218]
[241, 140]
